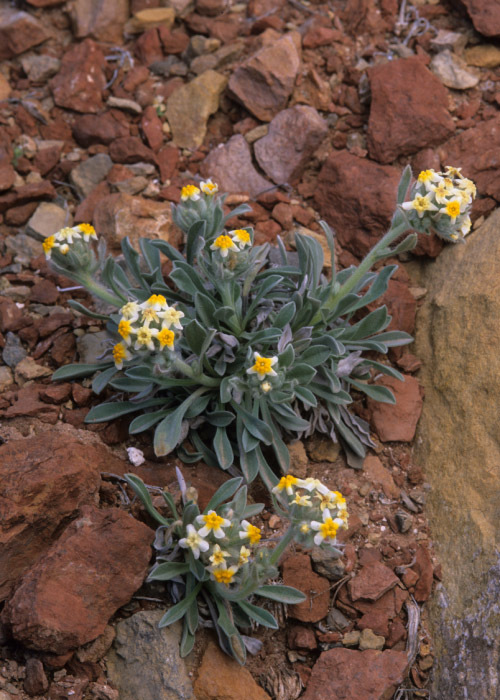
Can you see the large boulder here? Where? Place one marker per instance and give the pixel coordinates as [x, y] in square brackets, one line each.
[458, 337]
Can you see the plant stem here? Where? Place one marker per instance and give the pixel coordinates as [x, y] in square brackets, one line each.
[201, 378]
[280, 548]
[99, 291]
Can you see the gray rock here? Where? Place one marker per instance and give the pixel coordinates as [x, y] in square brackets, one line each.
[327, 564]
[13, 351]
[125, 104]
[91, 346]
[453, 71]
[145, 662]
[337, 620]
[39, 67]
[23, 248]
[47, 219]
[230, 165]
[90, 173]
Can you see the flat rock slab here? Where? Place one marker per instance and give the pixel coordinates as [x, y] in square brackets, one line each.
[372, 582]
[230, 165]
[66, 599]
[145, 662]
[80, 82]
[398, 421]
[43, 482]
[298, 572]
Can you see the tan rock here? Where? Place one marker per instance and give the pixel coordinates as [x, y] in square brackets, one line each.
[298, 459]
[369, 640]
[380, 476]
[222, 678]
[101, 19]
[453, 71]
[323, 449]
[151, 18]
[29, 369]
[483, 56]
[189, 107]
[458, 337]
[5, 88]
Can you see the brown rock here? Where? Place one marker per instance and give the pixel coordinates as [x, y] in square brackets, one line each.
[105, 128]
[11, 316]
[167, 160]
[81, 80]
[397, 421]
[44, 292]
[120, 215]
[399, 127]
[301, 638]
[7, 176]
[130, 149]
[425, 570]
[173, 42]
[148, 47]
[372, 582]
[346, 674]
[101, 19]
[265, 82]
[476, 151]
[230, 165]
[81, 395]
[293, 136]
[298, 572]
[151, 126]
[46, 159]
[357, 198]
[93, 569]
[5, 88]
[401, 305]
[485, 16]
[26, 193]
[35, 682]
[56, 393]
[44, 480]
[380, 476]
[85, 210]
[27, 404]
[222, 678]
[19, 31]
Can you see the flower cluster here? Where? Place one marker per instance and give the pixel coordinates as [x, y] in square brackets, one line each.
[66, 237]
[192, 193]
[146, 326]
[313, 508]
[221, 544]
[441, 203]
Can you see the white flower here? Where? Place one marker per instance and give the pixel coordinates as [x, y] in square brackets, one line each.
[213, 523]
[157, 302]
[420, 204]
[209, 187]
[263, 366]
[252, 532]
[66, 235]
[190, 192]
[224, 244]
[327, 530]
[311, 484]
[244, 556]
[145, 337]
[218, 557]
[171, 317]
[194, 541]
[130, 311]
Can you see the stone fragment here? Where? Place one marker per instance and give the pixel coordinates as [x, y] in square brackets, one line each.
[297, 572]
[424, 569]
[7, 175]
[453, 71]
[483, 56]
[40, 67]
[48, 218]
[26, 193]
[301, 638]
[46, 159]
[102, 19]
[6, 378]
[152, 128]
[485, 16]
[44, 480]
[230, 165]
[93, 569]
[372, 582]
[369, 640]
[189, 107]
[477, 150]
[13, 352]
[293, 136]
[357, 198]
[397, 421]
[96, 650]
[380, 477]
[28, 369]
[5, 88]
[151, 18]
[91, 346]
[298, 459]
[120, 215]
[264, 83]
[44, 292]
[130, 149]
[399, 127]
[327, 565]
[89, 129]
[347, 674]
[321, 449]
[81, 80]
[222, 678]
[35, 681]
[19, 31]
[124, 104]
[453, 41]
[351, 639]
[90, 173]
[11, 316]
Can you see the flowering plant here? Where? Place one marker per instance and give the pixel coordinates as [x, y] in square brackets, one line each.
[216, 563]
[240, 351]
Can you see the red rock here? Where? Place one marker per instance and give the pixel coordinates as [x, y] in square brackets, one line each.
[46, 159]
[11, 316]
[35, 681]
[294, 134]
[212, 8]
[85, 210]
[7, 175]
[362, 16]
[44, 480]
[410, 578]
[346, 674]
[397, 633]
[476, 152]
[428, 245]
[44, 292]
[167, 160]
[173, 42]
[130, 149]
[379, 476]
[283, 215]
[297, 572]
[56, 393]
[398, 127]
[17, 216]
[103, 128]
[93, 569]
[19, 31]
[301, 638]
[357, 198]
[81, 395]
[318, 36]
[135, 77]
[63, 351]
[49, 324]
[397, 421]
[26, 193]
[401, 305]
[81, 80]
[151, 126]
[104, 21]
[222, 678]
[230, 165]
[148, 47]
[423, 567]
[264, 83]
[27, 404]
[485, 16]
[372, 582]
[120, 215]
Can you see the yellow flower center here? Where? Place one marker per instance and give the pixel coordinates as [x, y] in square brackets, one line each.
[242, 235]
[328, 529]
[48, 243]
[453, 209]
[149, 315]
[223, 242]
[286, 482]
[188, 191]
[143, 336]
[124, 328]
[156, 299]
[217, 557]
[425, 175]
[88, 230]
[166, 337]
[262, 365]
[213, 521]
[210, 187]
[253, 534]
[118, 352]
[224, 576]
[421, 203]
[304, 528]
[244, 556]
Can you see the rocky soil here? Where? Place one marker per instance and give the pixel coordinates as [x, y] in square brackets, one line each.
[303, 110]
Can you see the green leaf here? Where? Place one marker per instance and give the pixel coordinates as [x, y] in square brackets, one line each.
[142, 423]
[287, 357]
[138, 487]
[83, 310]
[178, 611]
[196, 232]
[103, 379]
[254, 425]
[306, 396]
[404, 184]
[223, 448]
[78, 370]
[378, 393]
[263, 617]
[116, 409]
[205, 309]
[187, 641]
[168, 570]
[132, 385]
[221, 419]
[373, 323]
[302, 372]
[283, 594]
[168, 432]
[406, 244]
[168, 250]
[285, 315]
[223, 493]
